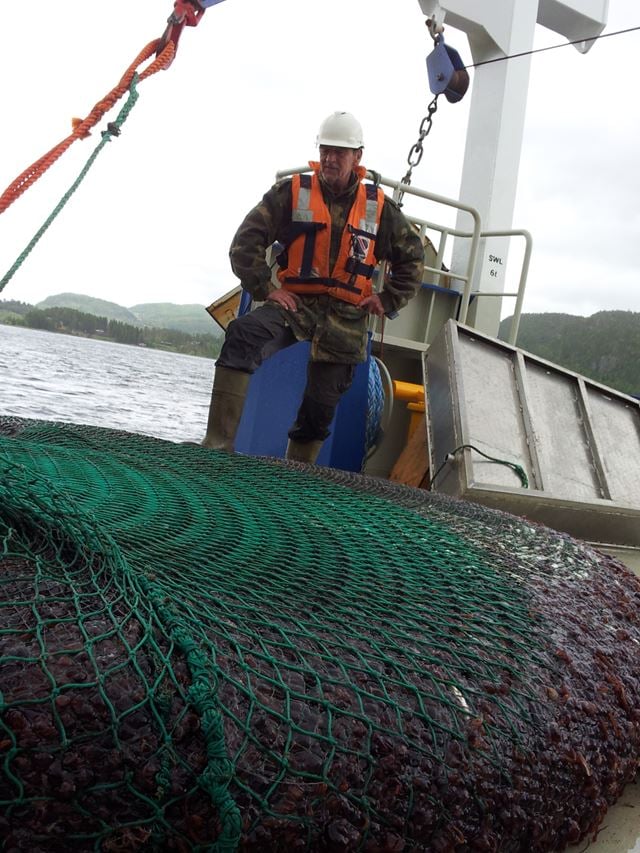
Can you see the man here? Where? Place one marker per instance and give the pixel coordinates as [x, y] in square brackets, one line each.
[332, 230]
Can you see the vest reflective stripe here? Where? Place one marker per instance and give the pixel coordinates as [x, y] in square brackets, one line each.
[305, 261]
[302, 212]
[370, 222]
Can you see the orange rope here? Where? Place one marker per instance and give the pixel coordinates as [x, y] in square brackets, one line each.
[82, 128]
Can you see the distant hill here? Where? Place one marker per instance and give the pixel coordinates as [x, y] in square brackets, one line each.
[183, 318]
[604, 347]
[90, 305]
[192, 319]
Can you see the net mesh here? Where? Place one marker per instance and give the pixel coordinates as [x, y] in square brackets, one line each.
[201, 651]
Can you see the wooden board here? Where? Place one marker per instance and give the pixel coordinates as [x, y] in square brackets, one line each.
[412, 466]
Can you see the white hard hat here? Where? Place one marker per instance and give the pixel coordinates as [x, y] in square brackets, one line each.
[341, 130]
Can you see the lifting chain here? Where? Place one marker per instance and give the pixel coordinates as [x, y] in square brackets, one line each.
[416, 151]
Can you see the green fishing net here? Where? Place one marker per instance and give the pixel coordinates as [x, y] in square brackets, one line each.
[208, 652]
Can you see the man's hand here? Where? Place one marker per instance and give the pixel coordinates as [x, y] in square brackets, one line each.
[283, 298]
[372, 305]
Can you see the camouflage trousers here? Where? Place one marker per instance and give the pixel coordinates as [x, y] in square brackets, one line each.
[338, 342]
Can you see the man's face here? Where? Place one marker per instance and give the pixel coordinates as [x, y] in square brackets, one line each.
[337, 164]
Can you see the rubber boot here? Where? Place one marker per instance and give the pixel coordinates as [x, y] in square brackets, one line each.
[303, 451]
[227, 402]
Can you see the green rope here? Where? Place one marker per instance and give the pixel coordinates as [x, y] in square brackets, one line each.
[113, 129]
[519, 470]
[219, 771]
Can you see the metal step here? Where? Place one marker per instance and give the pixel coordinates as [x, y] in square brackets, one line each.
[577, 442]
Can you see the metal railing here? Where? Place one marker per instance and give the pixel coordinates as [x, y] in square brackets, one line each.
[522, 282]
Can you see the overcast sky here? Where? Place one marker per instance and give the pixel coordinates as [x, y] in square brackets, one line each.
[153, 220]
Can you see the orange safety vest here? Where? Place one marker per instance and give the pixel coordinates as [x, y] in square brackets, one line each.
[304, 263]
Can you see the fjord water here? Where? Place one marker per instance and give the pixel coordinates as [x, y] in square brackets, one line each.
[50, 376]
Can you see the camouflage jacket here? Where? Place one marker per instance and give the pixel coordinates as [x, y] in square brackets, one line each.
[336, 329]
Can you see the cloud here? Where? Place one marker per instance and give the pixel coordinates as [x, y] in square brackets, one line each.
[154, 218]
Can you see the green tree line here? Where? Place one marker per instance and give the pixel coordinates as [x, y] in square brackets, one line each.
[604, 347]
[70, 321]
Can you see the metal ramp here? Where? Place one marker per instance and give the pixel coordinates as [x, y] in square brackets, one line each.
[577, 441]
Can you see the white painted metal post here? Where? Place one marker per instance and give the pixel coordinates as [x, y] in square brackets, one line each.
[495, 29]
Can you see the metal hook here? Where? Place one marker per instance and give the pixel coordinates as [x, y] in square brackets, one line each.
[435, 24]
